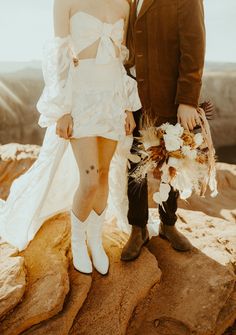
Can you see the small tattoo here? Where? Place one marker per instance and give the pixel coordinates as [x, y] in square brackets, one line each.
[87, 171]
[92, 167]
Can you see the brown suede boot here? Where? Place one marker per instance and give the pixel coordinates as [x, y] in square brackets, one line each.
[138, 238]
[177, 240]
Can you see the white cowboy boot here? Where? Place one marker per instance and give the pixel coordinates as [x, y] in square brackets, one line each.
[81, 259]
[94, 235]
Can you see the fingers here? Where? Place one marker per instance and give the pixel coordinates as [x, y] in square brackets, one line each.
[70, 129]
[178, 119]
[192, 123]
[127, 128]
[184, 124]
[129, 123]
[133, 126]
[64, 127]
[189, 121]
[62, 132]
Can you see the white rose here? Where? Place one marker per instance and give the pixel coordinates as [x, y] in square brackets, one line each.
[164, 126]
[176, 130]
[188, 152]
[198, 139]
[172, 142]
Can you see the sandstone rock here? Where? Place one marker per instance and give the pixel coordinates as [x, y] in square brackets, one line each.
[223, 206]
[112, 299]
[213, 236]
[47, 281]
[61, 323]
[15, 159]
[195, 296]
[12, 278]
[193, 291]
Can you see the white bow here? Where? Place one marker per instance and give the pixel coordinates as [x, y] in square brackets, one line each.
[111, 36]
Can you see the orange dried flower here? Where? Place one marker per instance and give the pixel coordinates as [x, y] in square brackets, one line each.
[188, 139]
[201, 158]
[157, 153]
[176, 154]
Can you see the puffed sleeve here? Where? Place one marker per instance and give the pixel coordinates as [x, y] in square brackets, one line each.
[132, 99]
[57, 66]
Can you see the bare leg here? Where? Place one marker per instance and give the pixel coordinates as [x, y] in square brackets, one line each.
[106, 150]
[86, 155]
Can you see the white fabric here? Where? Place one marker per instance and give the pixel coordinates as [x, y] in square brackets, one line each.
[99, 104]
[139, 6]
[86, 29]
[48, 187]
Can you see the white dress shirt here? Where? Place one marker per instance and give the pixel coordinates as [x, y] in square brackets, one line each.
[140, 3]
[139, 6]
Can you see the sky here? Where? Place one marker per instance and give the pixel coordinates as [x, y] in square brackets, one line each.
[26, 24]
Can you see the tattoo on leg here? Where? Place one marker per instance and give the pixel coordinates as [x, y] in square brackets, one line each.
[92, 167]
[87, 171]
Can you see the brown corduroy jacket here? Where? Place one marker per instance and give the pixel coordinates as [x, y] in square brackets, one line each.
[167, 45]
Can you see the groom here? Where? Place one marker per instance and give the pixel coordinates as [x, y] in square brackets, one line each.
[166, 39]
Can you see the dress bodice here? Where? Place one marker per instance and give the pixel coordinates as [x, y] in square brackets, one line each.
[86, 29]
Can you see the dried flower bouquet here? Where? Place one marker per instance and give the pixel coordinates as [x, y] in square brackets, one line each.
[184, 160]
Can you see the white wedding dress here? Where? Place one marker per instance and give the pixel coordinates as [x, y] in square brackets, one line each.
[97, 92]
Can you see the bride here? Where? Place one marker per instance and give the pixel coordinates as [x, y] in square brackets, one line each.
[87, 106]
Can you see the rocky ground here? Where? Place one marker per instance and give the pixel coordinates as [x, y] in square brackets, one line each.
[163, 292]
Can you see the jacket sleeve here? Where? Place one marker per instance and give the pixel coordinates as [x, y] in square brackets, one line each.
[192, 51]
[57, 65]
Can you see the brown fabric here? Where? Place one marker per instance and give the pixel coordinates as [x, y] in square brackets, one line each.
[167, 46]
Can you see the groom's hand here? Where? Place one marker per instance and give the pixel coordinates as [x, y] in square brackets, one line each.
[188, 116]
